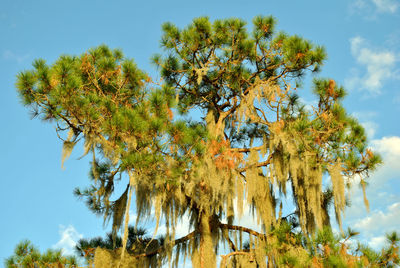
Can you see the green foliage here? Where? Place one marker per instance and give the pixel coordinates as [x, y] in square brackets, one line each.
[27, 255]
[332, 250]
[104, 98]
[327, 249]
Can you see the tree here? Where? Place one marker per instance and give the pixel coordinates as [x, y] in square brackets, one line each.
[27, 255]
[255, 140]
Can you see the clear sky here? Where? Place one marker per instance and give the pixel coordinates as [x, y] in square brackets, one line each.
[362, 39]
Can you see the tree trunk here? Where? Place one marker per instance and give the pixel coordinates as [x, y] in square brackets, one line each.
[204, 256]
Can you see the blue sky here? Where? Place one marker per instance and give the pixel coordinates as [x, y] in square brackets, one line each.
[362, 39]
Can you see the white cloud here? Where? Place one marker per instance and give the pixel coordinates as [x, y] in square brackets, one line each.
[374, 227]
[383, 196]
[377, 242]
[370, 9]
[386, 6]
[379, 220]
[69, 238]
[379, 65]
[389, 149]
[389, 146]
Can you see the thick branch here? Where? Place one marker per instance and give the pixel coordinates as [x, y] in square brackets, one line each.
[160, 249]
[243, 229]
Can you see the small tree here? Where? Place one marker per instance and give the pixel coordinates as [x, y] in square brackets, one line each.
[27, 255]
[137, 243]
[256, 138]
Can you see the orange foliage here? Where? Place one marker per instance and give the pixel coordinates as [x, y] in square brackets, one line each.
[331, 88]
[324, 116]
[176, 137]
[316, 263]
[300, 55]
[170, 113]
[327, 250]
[85, 65]
[277, 126]
[224, 157]
[369, 153]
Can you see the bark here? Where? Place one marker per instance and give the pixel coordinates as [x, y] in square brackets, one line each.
[204, 257]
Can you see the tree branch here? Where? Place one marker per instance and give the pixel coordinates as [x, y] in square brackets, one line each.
[247, 150]
[260, 164]
[241, 228]
[160, 249]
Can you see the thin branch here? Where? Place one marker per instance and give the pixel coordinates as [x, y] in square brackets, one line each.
[247, 150]
[231, 244]
[260, 164]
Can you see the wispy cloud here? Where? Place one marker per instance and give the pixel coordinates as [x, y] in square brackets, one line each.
[69, 238]
[10, 55]
[376, 67]
[386, 6]
[370, 9]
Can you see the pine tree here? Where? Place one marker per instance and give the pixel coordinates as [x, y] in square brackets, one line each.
[255, 140]
[26, 255]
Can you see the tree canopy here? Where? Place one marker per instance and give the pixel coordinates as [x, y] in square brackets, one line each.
[255, 144]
